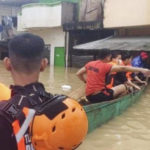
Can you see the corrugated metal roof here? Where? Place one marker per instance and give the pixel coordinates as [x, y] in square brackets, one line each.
[117, 43]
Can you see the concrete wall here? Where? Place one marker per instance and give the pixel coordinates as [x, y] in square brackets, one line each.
[126, 13]
[53, 36]
[134, 32]
[68, 12]
[9, 11]
[90, 10]
[20, 23]
[40, 16]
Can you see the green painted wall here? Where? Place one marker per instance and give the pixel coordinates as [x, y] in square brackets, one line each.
[53, 1]
[59, 56]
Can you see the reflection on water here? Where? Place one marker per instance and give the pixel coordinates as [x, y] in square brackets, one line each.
[129, 131]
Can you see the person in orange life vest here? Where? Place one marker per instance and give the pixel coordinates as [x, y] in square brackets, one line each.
[115, 60]
[128, 76]
[94, 74]
[133, 77]
[28, 97]
[126, 61]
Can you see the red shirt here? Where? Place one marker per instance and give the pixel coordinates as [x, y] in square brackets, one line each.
[96, 74]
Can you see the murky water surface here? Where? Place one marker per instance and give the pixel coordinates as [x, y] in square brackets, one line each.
[129, 131]
[52, 78]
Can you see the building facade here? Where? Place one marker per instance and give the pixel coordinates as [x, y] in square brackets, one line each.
[8, 22]
[47, 21]
[65, 23]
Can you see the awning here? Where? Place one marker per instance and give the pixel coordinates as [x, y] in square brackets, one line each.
[118, 43]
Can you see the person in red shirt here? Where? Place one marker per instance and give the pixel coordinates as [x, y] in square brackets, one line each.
[94, 75]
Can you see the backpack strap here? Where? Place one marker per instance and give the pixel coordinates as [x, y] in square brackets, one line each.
[9, 111]
[43, 103]
[52, 107]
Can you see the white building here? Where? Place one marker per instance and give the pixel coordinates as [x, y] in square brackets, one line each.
[46, 20]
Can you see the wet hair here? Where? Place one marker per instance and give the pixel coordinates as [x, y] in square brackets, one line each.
[26, 52]
[104, 53]
[125, 56]
[114, 54]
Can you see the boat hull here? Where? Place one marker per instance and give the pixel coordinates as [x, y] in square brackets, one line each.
[100, 113]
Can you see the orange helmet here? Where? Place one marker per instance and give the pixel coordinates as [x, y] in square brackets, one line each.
[65, 132]
[5, 92]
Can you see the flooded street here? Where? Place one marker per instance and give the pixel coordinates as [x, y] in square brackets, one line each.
[52, 78]
[129, 131]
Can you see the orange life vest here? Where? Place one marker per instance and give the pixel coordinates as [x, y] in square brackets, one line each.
[21, 131]
[21, 118]
[110, 78]
[129, 74]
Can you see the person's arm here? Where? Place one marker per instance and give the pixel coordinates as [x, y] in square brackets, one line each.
[117, 68]
[81, 74]
[139, 80]
[129, 82]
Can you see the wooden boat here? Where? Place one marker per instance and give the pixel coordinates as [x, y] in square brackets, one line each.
[100, 113]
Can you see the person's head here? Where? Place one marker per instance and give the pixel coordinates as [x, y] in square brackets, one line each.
[144, 56]
[126, 58]
[116, 57]
[105, 55]
[26, 54]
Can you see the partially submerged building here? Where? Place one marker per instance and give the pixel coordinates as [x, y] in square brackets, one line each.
[61, 26]
[130, 22]
[66, 23]
[46, 19]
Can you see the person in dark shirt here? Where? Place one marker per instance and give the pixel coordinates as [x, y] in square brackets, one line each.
[25, 63]
[30, 101]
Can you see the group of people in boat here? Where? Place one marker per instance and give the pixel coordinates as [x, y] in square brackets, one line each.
[113, 75]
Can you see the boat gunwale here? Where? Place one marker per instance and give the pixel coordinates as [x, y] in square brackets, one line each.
[100, 105]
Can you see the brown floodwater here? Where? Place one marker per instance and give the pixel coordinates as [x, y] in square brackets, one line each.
[53, 79]
[129, 131]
